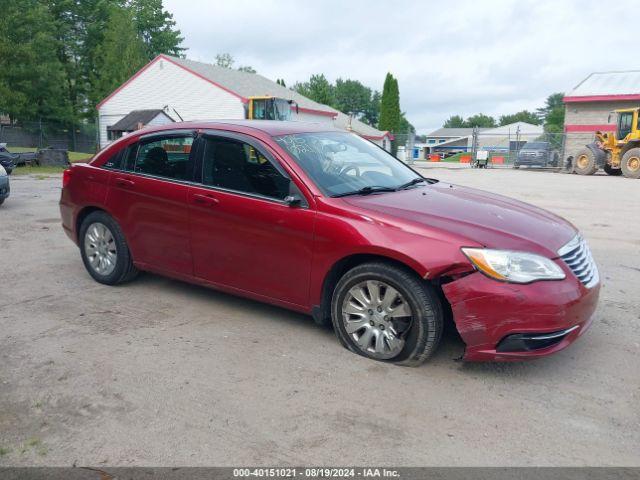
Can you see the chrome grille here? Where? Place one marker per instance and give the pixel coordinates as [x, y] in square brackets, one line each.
[577, 256]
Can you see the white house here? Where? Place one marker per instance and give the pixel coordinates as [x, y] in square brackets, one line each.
[188, 90]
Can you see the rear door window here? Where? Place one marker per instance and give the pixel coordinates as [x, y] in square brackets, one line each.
[168, 157]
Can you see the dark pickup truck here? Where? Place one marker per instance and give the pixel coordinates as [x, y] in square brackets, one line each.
[539, 154]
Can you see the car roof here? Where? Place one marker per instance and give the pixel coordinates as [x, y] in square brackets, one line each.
[270, 127]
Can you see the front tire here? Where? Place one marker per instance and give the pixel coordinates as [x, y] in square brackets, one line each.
[585, 162]
[387, 313]
[104, 250]
[631, 163]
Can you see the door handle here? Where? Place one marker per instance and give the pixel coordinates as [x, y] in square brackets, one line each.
[208, 200]
[123, 182]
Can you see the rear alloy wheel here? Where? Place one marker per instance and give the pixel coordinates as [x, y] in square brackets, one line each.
[386, 313]
[585, 163]
[104, 250]
[614, 172]
[631, 163]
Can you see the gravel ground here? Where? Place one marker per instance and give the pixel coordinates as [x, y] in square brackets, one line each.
[159, 372]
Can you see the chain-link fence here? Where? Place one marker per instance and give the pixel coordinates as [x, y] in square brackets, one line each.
[518, 149]
[36, 135]
[511, 149]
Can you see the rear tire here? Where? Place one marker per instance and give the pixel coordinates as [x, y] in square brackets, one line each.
[585, 162]
[614, 172]
[2, 201]
[397, 307]
[631, 163]
[104, 250]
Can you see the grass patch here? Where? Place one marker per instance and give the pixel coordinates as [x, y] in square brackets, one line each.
[36, 445]
[41, 172]
[73, 156]
[4, 451]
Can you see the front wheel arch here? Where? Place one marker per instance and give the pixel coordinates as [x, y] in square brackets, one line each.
[322, 313]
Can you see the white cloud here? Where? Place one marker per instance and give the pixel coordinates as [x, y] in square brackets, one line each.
[450, 57]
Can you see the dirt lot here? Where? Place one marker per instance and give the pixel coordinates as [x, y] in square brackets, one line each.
[159, 372]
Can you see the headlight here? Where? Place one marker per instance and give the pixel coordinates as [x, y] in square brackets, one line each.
[516, 267]
[3, 172]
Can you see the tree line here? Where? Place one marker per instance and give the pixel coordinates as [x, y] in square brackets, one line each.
[551, 116]
[59, 58]
[380, 110]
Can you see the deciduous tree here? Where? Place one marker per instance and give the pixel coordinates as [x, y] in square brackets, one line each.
[120, 54]
[522, 116]
[317, 89]
[454, 121]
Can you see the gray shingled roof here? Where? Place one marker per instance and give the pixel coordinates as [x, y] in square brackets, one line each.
[130, 122]
[361, 128]
[452, 132]
[248, 84]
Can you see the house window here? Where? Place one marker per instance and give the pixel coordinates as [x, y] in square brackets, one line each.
[441, 140]
[431, 140]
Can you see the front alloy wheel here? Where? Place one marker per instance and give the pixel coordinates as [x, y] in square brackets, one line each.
[386, 312]
[376, 316]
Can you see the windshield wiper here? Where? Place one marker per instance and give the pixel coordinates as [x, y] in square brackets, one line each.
[365, 191]
[412, 182]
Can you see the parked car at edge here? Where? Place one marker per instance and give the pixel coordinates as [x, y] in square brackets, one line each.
[10, 160]
[537, 154]
[5, 189]
[326, 223]
[7, 159]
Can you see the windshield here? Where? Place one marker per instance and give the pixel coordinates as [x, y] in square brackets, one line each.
[535, 146]
[342, 163]
[282, 109]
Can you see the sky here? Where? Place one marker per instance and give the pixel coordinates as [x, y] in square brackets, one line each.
[450, 57]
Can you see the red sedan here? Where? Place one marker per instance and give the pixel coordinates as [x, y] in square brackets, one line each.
[324, 222]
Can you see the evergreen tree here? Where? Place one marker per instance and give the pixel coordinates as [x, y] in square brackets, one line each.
[390, 109]
[552, 114]
[32, 78]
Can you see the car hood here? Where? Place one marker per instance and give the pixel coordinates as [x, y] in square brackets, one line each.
[479, 217]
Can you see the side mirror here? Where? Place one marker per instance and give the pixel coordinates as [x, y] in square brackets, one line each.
[609, 119]
[293, 200]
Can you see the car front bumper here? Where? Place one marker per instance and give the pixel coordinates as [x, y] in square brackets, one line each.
[505, 321]
[5, 188]
[531, 161]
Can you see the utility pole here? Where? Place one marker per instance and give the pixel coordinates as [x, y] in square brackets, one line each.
[474, 143]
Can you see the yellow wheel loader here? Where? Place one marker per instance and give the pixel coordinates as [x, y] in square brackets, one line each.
[617, 153]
